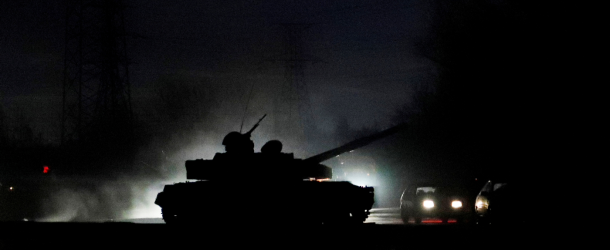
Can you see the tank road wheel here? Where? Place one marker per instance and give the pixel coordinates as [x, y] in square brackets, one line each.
[168, 216]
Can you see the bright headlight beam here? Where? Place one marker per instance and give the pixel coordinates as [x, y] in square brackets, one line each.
[456, 204]
[428, 204]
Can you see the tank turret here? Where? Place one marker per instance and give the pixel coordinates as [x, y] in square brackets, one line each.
[243, 185]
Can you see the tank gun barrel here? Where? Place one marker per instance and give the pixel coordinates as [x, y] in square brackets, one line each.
[354, 144]
[255, 126]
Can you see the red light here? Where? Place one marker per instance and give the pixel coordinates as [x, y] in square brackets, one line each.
[45, 169]
[432, 221]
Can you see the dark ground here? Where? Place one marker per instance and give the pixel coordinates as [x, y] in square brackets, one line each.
[31, 235]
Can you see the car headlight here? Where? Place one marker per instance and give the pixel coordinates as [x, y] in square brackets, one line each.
[428, 204]
[456, 204]
[479, 204]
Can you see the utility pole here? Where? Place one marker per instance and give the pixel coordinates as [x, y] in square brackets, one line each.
[292, 106]
[96, 89]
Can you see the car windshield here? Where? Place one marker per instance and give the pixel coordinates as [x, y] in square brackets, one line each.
[439, 190]
[425, 190]
[498, 186]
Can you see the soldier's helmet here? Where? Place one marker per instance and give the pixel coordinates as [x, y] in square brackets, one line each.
[232, 138]
[273, 146]
[236, 142]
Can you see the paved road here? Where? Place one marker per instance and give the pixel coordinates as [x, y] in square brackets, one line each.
[31, 235]
[383, 230]
[381, 216]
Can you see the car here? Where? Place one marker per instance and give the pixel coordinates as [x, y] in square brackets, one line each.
[442, 202]
[502, 201]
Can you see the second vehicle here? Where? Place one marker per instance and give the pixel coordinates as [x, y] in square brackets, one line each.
[442, 202]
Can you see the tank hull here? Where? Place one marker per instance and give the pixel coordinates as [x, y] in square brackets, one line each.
[309, 202]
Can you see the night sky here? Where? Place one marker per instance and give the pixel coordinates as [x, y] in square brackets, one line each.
[363, 63]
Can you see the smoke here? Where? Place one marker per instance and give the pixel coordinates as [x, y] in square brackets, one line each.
[86, 200]
[183, 117]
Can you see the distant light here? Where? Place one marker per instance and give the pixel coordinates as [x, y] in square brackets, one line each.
[456, 204]
[45, 169]
[428, 204]
[11, 188]
[341, 162]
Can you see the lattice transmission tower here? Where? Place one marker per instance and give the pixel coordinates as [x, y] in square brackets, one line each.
[96, 89]
[292, 107]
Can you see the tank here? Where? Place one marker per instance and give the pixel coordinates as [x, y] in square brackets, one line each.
[241, 186]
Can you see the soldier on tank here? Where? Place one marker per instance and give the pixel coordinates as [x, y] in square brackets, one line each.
[277, 165]
[239, 156]
[238, 143]
[272, 147]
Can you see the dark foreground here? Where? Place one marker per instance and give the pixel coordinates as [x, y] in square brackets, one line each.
[30, 235]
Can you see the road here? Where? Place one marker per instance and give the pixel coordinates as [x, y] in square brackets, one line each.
[381, 216]
[383, 230]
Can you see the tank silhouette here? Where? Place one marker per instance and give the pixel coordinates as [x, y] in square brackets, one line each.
[241, 186]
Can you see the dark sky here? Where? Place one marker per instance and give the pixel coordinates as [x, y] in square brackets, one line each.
[363, 60]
